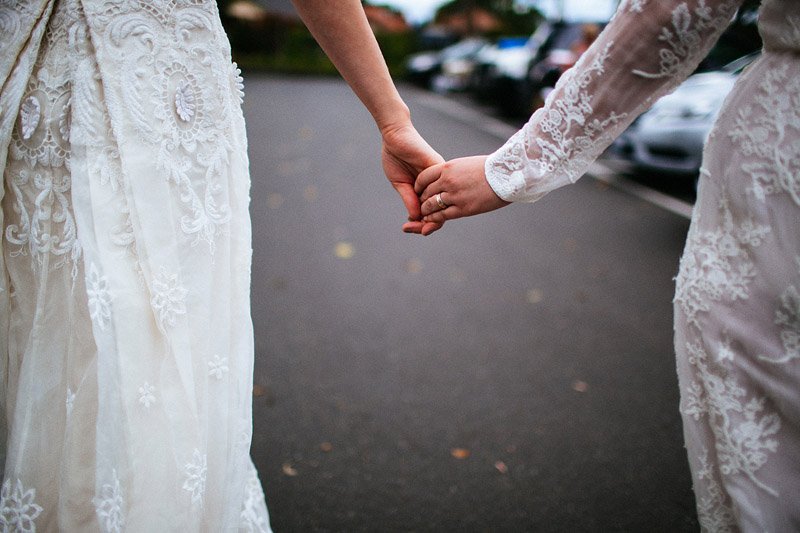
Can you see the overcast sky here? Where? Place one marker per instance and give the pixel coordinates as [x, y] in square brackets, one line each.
[594, 10]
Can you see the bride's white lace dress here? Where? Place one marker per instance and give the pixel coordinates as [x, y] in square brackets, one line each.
[737, 303]
[126, 346]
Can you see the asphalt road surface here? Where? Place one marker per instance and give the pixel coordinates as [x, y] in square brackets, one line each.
[512, 372]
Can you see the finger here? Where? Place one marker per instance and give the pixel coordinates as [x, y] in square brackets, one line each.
[430, 227]
[410, 200]
[427, 176]
[439, 217]
[437, 187]
[431, 204]
[413, 227]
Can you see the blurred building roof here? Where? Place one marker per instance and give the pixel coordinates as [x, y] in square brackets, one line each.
[385, 20]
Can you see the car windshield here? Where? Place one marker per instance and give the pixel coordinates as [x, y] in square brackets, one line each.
[462, 49]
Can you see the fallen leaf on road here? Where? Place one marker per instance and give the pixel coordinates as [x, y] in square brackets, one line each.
[288, 470]
[570, 245]
[259, 390]
[326, 447]
[344, 250]
[580, 386]
[459, 453]
[310, 193]
[305, 133]
[535, 296]
[501, 467]
[414, 266]
[274, 200]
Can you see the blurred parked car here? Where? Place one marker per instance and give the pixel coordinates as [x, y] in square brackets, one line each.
[424, 67]
[510, 77]
[499, 67]
[670, 136]
[561, 51]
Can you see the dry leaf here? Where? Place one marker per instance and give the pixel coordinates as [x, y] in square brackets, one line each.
[305, 133]
[274, 200]
[288, 470]
[501, 467]
[344, 250]
[534, 296]
[259, 390]
[310, 193]
[414, 266]
[459, 453]
[326, 447]
[580, 386]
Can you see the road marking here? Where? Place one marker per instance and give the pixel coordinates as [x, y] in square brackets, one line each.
[497, 128]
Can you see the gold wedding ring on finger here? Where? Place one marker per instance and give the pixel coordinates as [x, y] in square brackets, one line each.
[440, 202]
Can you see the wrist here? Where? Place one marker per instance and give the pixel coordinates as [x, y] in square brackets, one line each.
[392, 117]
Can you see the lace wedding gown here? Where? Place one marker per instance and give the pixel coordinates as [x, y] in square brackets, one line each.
[126, 341]
[737, 302]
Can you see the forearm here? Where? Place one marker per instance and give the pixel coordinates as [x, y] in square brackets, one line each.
[645, 52]
[342, 30]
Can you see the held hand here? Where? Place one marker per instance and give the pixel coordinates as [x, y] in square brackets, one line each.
[405, 154]
[457, 188]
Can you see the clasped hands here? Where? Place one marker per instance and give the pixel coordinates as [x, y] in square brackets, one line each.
[434, 190]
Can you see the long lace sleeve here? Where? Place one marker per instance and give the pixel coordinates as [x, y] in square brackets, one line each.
[647, 49]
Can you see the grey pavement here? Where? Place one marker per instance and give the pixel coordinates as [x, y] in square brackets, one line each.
[512, 372]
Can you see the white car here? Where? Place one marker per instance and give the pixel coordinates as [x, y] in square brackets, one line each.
[670, 136]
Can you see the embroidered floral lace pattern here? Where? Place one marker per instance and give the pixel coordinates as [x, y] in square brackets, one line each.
[109, 506]
[712, 508]
[124, 229]
[99, 297]
[787, 318]
[186, 128]
[737, 302]
[582, 115]
[720, 265]
[744, 433]
[767, 132]
[253, 521]
[38, 154]
[196, 477]
[169, 298]
[18, 508]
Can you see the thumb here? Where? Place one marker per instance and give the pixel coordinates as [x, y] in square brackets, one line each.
[410, 200]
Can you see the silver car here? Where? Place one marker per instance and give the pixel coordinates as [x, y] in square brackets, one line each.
[671, 135]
